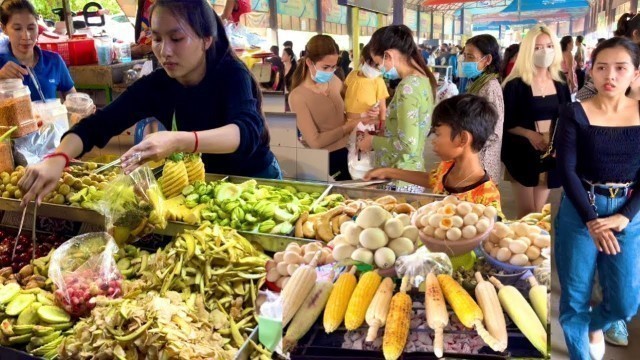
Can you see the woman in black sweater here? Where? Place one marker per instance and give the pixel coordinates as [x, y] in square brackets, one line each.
[202, 88]
[533, 93]
[597, 224]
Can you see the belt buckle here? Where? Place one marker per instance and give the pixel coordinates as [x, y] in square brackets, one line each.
[613, 192]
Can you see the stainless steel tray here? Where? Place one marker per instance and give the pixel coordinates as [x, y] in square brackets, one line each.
[246, 349]
[416, 200]
[299, 185]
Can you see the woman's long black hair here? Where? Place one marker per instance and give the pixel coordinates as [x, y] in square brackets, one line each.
[206, 23]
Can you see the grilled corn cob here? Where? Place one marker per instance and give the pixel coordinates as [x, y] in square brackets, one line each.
[436, 311]
[396, 330]
[379, 308]
[339, 300]
[308, 313]
[361, 298]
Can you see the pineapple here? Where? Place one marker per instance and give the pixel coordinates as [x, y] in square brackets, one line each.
[174, 176]
[195, 167]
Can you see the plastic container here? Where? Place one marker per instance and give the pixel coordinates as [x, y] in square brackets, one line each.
[51, 111]
[79, 106]
[79, 50]
[15, 108]
[123, 52]
[6, 156]
[104, 49]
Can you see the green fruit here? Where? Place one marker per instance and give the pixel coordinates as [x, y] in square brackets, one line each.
[40, 330]
[53, 315]
[29, 316]
[7, 327]
[124, 264]
[19, 303]
[8, 292]
[61, 326]
[22, 329]
[44, 340]
[42, 350]
[20, 339]
[43, 299]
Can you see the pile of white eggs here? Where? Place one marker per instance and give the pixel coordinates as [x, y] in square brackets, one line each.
[517, 243]
[452, 219]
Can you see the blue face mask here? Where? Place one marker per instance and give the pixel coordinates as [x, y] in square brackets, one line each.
[469, 69]
[391, 74]
[322, 77]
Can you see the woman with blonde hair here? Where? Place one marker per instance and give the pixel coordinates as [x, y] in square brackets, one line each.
[533, 93]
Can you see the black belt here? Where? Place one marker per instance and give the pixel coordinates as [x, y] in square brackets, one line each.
[609, 191]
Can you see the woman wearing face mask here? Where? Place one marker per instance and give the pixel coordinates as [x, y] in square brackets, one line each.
[18, 18]
[317, 101]
[364, 90]
[598, 225]
[628, 27]
[202, 88]
[532, 94]
[480, 68]
[409, 115]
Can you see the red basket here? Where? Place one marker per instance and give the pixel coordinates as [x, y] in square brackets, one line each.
[79, 50]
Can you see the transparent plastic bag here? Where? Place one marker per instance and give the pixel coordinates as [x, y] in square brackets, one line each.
[270, 322]
[359, 163]
[133, 206]
[83, 268]
[419, 264]
[31, 149]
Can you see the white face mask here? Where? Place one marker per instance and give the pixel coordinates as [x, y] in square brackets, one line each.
[544, 57]
[369, 71]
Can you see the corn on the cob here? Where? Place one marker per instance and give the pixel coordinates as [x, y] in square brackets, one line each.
[361, 298]
[379, 308]
[338, 301]
[522, 315]
[493, 316]
[308, 313]
[538, 298]
[467, 310]
[436, 311]
[396, 330]
[298, 287]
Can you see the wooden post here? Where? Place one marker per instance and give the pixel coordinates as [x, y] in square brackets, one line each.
[68, 20]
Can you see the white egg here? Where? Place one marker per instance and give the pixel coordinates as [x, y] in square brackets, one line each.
[451, 199]
[454, 234]
[482, 226]
[478, 209]
[504, 243]
[490, 212]
[449, 210]
[521, 229]
[463, 208]
[440, 234]
[534, 230]
[428, 230]
[446, 223]
[501, 230]
[423, 220]
[470, 219]
[434, 220]
[457, 221]
[469, 231]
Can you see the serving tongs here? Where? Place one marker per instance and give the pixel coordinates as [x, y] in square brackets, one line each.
[116, 162]
[34, 79]
[33, 231]
[361, 184]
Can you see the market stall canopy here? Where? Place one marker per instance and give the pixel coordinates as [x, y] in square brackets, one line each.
[545, 5]
[129, 7]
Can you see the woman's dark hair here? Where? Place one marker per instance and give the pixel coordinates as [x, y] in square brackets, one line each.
[467, 112]
[366, 55]
[627, 24]
[509, 53]
[400, 37]
[344, 61]
[199, 15]
[488, 45]
[317, 48]
[10, 7]
[623, 42]
[564, 42]
[291, 54]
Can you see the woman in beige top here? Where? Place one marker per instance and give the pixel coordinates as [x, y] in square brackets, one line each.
[315, 99]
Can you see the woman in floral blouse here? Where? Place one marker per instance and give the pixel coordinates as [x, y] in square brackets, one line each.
[409, 114]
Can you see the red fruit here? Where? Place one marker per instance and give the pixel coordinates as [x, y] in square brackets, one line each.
[23, 240]
[75, 301]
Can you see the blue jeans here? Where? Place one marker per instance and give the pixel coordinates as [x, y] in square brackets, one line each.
[577, 258]
[271, 172]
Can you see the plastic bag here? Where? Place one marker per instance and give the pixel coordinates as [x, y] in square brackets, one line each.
[241, 38]
[270, 322]
[83, 268]
[446, 91]
[419, 264]
[359, 163]
[32, 148]
[133, 206]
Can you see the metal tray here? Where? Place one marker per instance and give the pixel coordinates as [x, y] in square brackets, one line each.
[416, 200]
[310, 187]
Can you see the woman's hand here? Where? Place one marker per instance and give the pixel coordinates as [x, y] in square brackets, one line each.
[615, 222]
[11, 70]
[366, 144]
[537, 141]
[373, 115]
[156, 146]
[41, 179]
[378, 174]
[606, 242]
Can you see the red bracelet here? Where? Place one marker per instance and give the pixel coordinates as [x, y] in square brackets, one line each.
[65, 156]
[195, 150]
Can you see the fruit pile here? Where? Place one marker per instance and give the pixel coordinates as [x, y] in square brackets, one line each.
[325, 225]
[83, 287]
[517, 244]
[541, 219]
[285, 263]
[375, 237]
[179, 171]
[24, 249]
[32, 319]
[453, 220]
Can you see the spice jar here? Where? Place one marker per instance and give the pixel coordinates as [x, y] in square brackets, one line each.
[79, 106]
[15, 108]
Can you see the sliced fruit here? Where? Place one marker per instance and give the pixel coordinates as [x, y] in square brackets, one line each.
[19, 303]
[44, 299]
[53, 315]
[62, 326]
[22, 329]
[7, 327]
[48, 347]
[40, 330]
[41, 341]
[29, 316]
[8, 292]
[20, 339]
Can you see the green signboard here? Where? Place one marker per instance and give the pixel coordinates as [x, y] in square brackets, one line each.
[368, 19]
[333, 12]
[298, 8]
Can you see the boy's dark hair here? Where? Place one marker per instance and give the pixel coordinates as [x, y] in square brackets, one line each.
[288, 43]
[467, 112]
[275, 50]
[579, 39]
